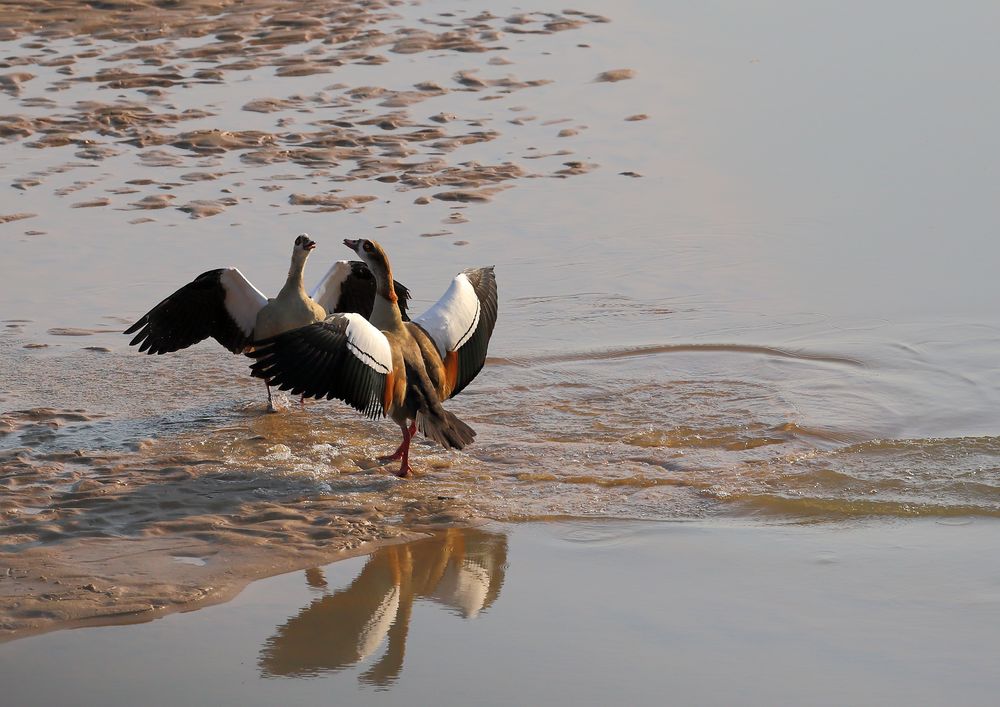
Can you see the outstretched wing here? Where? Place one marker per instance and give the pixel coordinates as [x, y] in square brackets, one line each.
[349, 286]
[461, 323]
[341, 357]
[219, 303]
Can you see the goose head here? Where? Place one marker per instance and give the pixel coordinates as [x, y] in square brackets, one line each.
[373, 255]
[301, 249]
[304, 243]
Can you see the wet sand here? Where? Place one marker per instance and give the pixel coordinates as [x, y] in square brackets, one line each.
[124, 94]
[96, 537]
[572, 613]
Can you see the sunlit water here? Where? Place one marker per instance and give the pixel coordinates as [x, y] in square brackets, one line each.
[792, 311]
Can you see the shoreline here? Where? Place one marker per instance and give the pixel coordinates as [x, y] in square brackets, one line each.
[41, 595]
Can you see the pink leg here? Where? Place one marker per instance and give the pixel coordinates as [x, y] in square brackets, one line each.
[302, 403]
[404, 464]
[398, 454]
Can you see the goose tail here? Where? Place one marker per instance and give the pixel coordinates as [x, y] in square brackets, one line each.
[445, 428]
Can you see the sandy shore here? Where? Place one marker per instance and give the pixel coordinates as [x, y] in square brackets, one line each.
[122, 581]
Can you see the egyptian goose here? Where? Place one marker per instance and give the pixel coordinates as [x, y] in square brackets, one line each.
[388, 366]
[225, 305]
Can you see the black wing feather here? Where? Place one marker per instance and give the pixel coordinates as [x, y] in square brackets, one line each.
[472, 354]
[402, 299]
[357, 293]
[316, 361]
[191, 314]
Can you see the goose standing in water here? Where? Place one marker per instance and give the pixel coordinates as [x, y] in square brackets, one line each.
[224, 305]
[389, 366]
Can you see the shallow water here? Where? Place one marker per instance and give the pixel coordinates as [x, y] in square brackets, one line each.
[627, 612]
[789, 312]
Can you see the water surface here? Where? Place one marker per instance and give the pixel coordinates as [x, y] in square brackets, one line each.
[773, 297]
[571, 613]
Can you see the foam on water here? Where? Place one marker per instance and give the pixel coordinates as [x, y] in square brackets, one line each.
[599, 433]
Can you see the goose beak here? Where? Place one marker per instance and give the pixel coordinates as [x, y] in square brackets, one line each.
[353, 245]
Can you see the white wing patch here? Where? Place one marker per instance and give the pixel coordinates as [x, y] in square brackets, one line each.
[327, 291]
[367, 343]
[454, 318]
[243, 300]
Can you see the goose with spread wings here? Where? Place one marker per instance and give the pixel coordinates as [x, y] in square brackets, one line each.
[387, 366]
[224, 305]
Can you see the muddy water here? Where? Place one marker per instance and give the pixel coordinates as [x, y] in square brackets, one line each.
[745, 266]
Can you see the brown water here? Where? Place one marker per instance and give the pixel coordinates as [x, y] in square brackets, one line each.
[773, 296]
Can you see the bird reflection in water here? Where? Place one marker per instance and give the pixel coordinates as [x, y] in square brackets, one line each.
[462, 569]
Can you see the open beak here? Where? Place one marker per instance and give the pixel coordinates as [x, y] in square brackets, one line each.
[353, 245]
